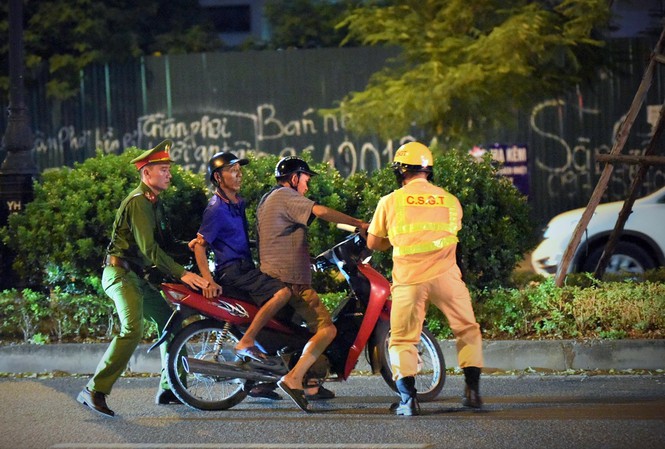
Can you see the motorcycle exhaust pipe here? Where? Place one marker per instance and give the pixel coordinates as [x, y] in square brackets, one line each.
[229, 370]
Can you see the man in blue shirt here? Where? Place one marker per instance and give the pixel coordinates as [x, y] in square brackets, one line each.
[224, 229]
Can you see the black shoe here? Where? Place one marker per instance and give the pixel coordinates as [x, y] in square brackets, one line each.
[472, 398]
[96, 401]
[164, 397]
[471, 392]
[408, 408]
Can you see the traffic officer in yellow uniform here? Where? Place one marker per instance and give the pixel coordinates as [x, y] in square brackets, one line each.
[420, 221]
[138, 242]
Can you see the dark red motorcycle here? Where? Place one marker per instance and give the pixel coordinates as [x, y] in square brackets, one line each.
[205, 372]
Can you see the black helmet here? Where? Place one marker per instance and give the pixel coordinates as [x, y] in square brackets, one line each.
[292, 164]
[220, 160]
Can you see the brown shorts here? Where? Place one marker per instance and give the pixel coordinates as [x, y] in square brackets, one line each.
[306, 302]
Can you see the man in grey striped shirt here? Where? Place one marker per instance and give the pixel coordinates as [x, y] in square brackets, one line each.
[283, 216]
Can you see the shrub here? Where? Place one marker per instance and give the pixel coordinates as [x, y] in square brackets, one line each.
[22, 313]
[61, 237]
[496, 229]
[615, 309]
[60, 316]
[80, 316]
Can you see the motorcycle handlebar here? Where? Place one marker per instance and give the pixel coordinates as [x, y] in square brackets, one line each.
[347, 228]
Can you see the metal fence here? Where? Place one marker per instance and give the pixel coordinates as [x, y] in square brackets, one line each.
[268, 102]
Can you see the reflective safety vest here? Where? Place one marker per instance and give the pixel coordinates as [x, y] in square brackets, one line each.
[423, 211]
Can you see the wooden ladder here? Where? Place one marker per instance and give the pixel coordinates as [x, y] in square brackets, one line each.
[615, 156]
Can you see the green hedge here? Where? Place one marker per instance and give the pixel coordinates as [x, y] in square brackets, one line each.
[61, 236]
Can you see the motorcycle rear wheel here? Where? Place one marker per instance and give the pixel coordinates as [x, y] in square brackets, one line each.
[204, 340]
[431, 367]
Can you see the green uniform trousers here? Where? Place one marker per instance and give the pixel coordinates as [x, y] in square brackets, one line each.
[135, 299]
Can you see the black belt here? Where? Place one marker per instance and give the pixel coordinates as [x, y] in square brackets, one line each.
[115, 261]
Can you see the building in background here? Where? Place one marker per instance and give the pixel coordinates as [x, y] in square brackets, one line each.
[237, 21]
[637, 18]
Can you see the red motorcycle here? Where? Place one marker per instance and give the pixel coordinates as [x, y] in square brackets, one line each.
[205, 372]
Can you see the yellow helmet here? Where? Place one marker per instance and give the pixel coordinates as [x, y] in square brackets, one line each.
[412, 156]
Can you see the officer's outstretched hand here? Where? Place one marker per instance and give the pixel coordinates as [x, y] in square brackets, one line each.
[194, 280]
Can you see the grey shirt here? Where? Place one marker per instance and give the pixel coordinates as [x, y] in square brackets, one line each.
[282, 225]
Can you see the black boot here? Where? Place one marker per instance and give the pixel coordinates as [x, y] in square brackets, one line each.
[471, 392]
[408, 405]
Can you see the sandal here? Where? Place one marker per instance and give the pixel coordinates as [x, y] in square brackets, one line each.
[297, 395]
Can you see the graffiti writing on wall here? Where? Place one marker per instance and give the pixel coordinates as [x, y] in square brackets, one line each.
[568, 163]
[68, 143]
[197, 138]
[263, 132]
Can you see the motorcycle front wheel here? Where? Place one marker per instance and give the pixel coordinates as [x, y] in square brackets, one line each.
[431, 365]
[210, 341]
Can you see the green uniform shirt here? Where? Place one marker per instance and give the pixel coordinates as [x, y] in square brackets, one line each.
[140, 232]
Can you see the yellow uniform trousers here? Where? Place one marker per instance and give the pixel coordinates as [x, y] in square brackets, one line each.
[409, 305]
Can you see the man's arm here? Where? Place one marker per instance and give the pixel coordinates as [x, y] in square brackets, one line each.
[143, 226]
[377, 236]
[201, 254]
[378, 243]
[334, 216]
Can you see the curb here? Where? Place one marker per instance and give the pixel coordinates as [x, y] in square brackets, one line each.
[502, 355]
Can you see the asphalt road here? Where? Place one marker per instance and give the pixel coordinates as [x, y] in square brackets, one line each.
[544, 411]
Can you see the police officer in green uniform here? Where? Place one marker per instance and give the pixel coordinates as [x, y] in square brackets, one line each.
[138, 242]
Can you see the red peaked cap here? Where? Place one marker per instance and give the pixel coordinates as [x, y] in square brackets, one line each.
[158, 154]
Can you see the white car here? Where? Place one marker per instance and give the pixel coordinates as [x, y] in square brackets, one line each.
[641, 246]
